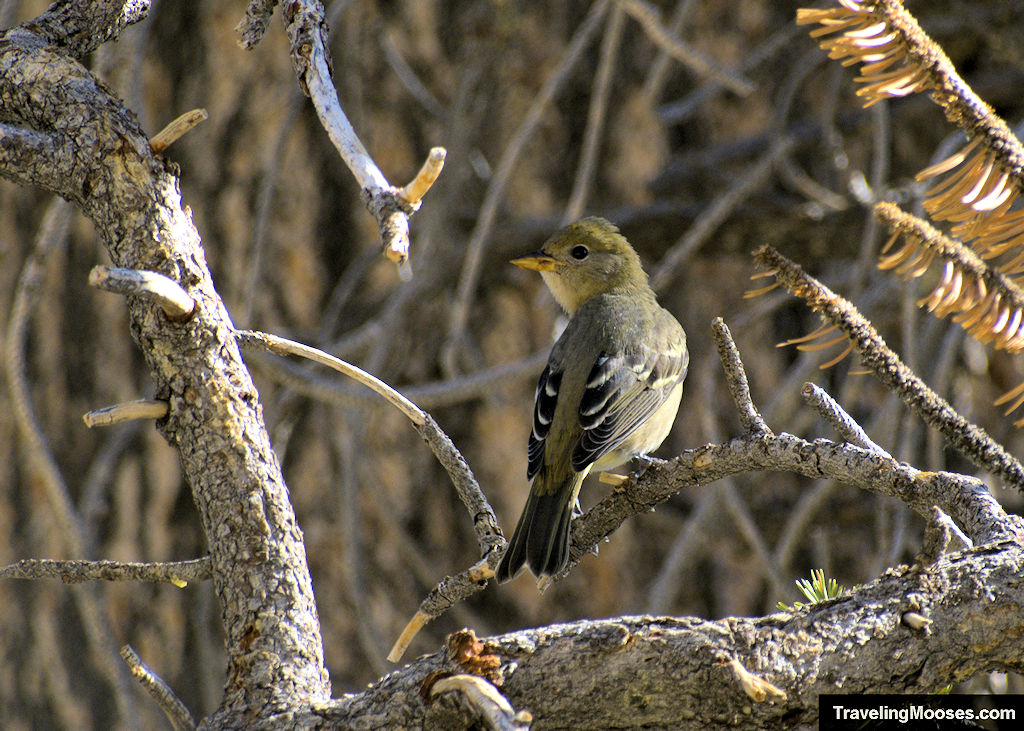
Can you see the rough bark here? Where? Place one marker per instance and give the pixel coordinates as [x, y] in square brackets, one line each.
[64, 131]
[664, 672]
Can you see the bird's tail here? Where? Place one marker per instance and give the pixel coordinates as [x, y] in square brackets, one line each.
[541, 537]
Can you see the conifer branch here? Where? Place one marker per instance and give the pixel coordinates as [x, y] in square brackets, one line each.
[971, 440]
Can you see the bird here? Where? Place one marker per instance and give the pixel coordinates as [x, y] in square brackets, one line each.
[609, 392]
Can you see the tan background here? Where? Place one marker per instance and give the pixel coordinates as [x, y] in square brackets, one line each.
[293, 252]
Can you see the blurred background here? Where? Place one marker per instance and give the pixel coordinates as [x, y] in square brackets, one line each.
[549, 111]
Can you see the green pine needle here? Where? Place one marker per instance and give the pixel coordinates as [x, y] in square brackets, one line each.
[818, 589]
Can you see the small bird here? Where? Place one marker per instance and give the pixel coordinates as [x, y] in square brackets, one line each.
[609, 392]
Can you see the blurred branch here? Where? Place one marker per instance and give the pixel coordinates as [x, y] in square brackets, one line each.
[596, 115]
[718, 212]
[51, 237]
[178, 573]
[434, 395]
[648, 16]
[503, 174]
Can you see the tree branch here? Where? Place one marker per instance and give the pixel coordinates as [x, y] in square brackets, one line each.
[178, 573]
[215, 422]
[680, 673]
[971, 440]
[391, 206]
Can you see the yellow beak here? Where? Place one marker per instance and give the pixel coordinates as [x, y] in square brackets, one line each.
[538, 261]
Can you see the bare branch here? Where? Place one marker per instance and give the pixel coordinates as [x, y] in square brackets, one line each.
[176, 129]
[129, 411]
[176, 711]
[178, 573]
[254, 24]
[81, 28]
[736, 377]
[487, 704]
[176, 303]
[307, 33]
[682, 659]
[414, 191]
[842, 422]
[484, 520]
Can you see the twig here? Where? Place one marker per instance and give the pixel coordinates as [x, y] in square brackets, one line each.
[485, 522]
[648, 17]
[841, 421]
[176, 711]
[490, 706]
[449, 591]
[176, 130]
[73, 571]
[971, 440]
[736, 377]
[716, 214]
[414, 191]
[757, 689]
[503, 174]
[307, 33]
[128, 411]
[283, 346]
[176, 303]
[596, 115]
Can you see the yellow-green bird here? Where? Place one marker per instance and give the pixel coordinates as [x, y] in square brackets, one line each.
[610, 389]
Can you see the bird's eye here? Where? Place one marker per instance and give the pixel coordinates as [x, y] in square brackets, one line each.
[580, 252]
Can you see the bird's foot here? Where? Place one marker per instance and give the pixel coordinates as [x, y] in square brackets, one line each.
[644, 463]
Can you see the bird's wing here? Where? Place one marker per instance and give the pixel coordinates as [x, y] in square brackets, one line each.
[544, 404]
[622, 391]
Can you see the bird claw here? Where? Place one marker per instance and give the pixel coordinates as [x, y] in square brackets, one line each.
[644, 463]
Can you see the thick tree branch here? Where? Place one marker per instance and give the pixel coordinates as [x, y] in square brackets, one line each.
[79, 28]
[679, 673]
[214, 421]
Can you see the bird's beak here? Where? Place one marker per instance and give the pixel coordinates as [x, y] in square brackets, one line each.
[538, 261]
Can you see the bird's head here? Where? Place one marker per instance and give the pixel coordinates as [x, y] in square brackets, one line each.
[584, 259]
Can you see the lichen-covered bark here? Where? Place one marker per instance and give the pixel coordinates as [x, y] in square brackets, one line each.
[675, 673]
[89, 149]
